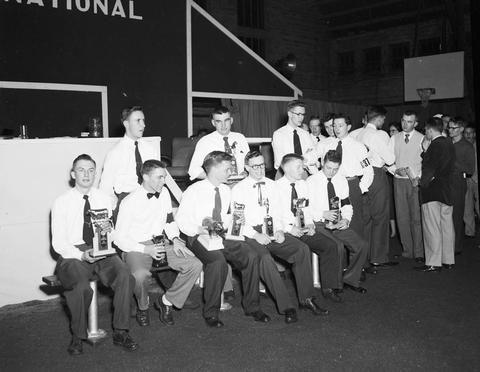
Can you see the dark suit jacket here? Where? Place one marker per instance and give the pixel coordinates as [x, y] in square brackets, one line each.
[437, 171]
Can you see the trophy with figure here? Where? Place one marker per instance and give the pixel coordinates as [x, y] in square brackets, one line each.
[235, 231]
[334, 205]
[102, 226]
[300, 204]
[267, 227]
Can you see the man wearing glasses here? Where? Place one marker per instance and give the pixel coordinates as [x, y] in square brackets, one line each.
[464, 168]
[292, 139]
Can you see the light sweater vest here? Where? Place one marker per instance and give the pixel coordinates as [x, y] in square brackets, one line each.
[409, 154]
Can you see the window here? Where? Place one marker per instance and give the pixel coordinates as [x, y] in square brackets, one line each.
[346, 63]
[373, 59]
[398, 52]
[429, 46]
[250, 13]
[255, 44]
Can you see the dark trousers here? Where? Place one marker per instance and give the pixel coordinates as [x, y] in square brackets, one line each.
[356, 199]
[327, 250]
[243, 258]
[357, 248]
[75, 276]
[378, 222]
[458, 197]
[294, 252]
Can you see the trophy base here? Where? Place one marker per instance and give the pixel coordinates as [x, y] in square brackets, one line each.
[235, 237]
[105, 252]
[96, 337]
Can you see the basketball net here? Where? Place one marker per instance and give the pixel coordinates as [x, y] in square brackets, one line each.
[424, 94]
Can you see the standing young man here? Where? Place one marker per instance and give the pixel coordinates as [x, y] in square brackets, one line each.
[72, 239]
[471, 197]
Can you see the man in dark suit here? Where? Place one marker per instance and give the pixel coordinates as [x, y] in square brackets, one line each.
[436, 195]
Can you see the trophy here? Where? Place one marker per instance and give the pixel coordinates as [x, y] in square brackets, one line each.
[102, 225]
[162, 260]
[216, 233]
[267, 220]
[334, 205]
[235, 231]
[299, 204]
[234, 160]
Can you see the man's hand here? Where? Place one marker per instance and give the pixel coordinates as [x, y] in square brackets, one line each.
[180, 249]
[262, 238]
[330, 215]
[401, 172]
[297, 232]
[87, 256]
[342, 224]
[154, 250]
[310, 229]
[279, 236]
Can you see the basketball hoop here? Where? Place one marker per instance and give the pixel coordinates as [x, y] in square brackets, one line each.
[424, 94]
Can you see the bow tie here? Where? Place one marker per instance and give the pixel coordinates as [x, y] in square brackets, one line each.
[152, 194]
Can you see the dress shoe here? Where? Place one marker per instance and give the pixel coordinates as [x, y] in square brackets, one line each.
[259, 316]
[291, 316]
[213, 322]
[123, 339]
[75, 347]
[448, 266]
[143, 318]
[310, 304]
[355, 289]
[371, 270]
[363, 275]
[228, 295]
[420, 260]
[165, 312]
[190, 304]
[332, 295]
[385, 264]
[428, 269]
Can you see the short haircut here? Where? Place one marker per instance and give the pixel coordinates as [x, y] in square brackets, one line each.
[435, 124]
[460, 121]
[290, 157]
[252, 155]
[472, 126]
[374, 112]
[343, 116]
[126, 112]
[219, 110]
[214, 158]
[410, 113]
[395, 124]
[296, 103]
[83, 157]
[314, 117]
[334, 156]
[327, 117]
[150, 165]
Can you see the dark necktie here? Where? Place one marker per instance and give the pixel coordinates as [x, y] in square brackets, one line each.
[228, 149]
[406, 137]
[260, 196]
[293, 198]
[152, 194]
[331, 192]
[318, 138]
[138, 161]
[87, 224]
[217, 208]
[339, 149]
[297, 147]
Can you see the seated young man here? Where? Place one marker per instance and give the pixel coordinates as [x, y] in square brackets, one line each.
[145, 213]
[72, 239]
[259, 198]
[293, 209]
[330, 206]
[204, 206]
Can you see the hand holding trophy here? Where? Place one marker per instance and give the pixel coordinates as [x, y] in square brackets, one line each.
[333, 216]
[102, 227]
[235, 231]
[300, 204]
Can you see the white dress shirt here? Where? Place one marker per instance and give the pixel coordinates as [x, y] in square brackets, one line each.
[198, 202]
[353, 164]
[282, 143]
[141, 218]
[119, 170]
[376, 140]
[284, 189]
[246, 192]
[317, 187]
[214, 142]
[415, 165]
[67, 220]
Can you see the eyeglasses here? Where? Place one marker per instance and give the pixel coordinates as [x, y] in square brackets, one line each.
[258, 166]
[298, 113]
[452, 128]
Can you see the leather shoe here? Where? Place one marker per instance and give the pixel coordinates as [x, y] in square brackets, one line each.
[428, 269]
[420, 260]
[371, 270]
[124, 340]
[330, 294]
[448, 266]
[259, 316]
[213, 322]
[363, 275]
[290, 316]
[143, 318]
[310, 304]
[385, 264]
[190, 304]
[75, 347]
[165, 312]
[355, 289]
